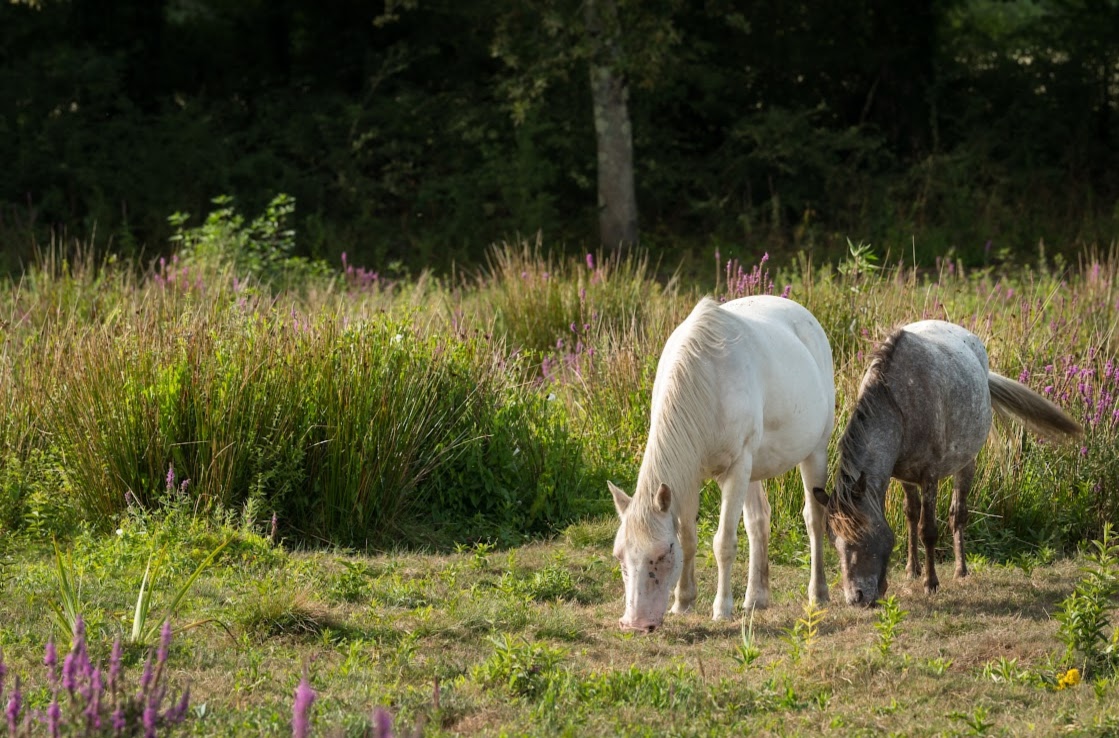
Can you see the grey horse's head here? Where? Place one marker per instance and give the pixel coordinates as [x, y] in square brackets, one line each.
[862, 538]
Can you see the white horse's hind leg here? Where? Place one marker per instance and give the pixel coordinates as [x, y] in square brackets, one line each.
[814, 473]
[757, 511]
[735, 492]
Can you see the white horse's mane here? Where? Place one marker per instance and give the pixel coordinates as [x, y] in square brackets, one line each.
[684, 402]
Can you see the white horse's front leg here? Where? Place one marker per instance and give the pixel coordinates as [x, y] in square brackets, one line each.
[725, 543]
[756, 509]
[814, 473]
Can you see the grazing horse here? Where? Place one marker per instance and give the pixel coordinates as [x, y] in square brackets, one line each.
[743, 392]
[923, 412]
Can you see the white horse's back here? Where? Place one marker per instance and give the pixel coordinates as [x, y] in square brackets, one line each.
[765, 366]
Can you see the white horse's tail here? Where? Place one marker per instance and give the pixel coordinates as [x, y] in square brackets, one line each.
[1038, 414]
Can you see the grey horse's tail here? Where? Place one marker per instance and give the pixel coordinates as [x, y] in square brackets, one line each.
[1038, 414]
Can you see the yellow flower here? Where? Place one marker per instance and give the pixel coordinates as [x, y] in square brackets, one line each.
[1069, 679]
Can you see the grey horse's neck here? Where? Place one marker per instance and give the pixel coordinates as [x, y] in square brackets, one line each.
[870, 446]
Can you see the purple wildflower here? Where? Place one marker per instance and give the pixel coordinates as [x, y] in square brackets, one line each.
[119, 723]
[114, 666]
[164, 643]
[171, 477]
[382, 723]
[54, 717]
[300, 714]
[15, 702]
[69, 667]
[50, 660]
[178, 713]
[149, 719]
[93, 709]
[590, 262]
[145, 678]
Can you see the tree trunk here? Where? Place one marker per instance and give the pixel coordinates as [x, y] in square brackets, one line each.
[617, 201]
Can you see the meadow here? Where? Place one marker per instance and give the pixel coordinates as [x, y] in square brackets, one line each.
[393, 487]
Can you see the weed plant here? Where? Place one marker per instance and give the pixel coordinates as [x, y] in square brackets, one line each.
[1085, 615]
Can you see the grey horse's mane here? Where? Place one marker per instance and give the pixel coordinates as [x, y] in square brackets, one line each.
[680, 422]
[849, 515]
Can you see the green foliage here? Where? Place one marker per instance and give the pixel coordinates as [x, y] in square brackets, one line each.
[552, 583]
[890, 617]
[976, 723]
[1085, 615]
[277, 608]
[1004, 670]
[521, 667]
[263, 249]
[144, 626]
[68, 609]
[747, 652]
[802, 636]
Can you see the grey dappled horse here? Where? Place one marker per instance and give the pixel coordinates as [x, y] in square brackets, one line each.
[923, 412]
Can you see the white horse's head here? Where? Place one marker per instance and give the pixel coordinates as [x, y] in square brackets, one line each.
[647, 550]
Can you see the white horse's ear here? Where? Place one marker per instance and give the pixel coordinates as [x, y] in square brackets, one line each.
[664, 498]
[821, 496]
[621, 499]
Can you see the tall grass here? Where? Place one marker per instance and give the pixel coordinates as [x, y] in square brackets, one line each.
[367, 410]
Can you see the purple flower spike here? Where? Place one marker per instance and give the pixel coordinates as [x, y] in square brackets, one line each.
[145, 678]
[382, 723]
[164, 642]
[114, 665]
[50, 660]
[171, 477]
[590, 262]
[119, 723]
[93, 709]
[15, 702]
[300, 714]
[149, 718]
[178, 713]
[54, 717]
[69, 667]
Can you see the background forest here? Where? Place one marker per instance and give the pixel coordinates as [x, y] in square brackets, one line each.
[421, 131]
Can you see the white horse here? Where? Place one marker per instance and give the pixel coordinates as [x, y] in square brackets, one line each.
[743, 392]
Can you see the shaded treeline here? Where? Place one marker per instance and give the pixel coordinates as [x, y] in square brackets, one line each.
[424, 130]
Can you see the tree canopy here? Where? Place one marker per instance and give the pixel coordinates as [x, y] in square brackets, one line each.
[423, 130]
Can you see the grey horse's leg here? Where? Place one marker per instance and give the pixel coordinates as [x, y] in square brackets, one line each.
[957, 514]
[912, 518]
[927, 529]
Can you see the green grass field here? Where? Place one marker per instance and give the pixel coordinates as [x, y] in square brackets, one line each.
[411, 474]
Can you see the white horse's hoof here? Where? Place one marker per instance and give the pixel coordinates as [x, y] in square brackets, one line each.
[723, 610]
[756, 602]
